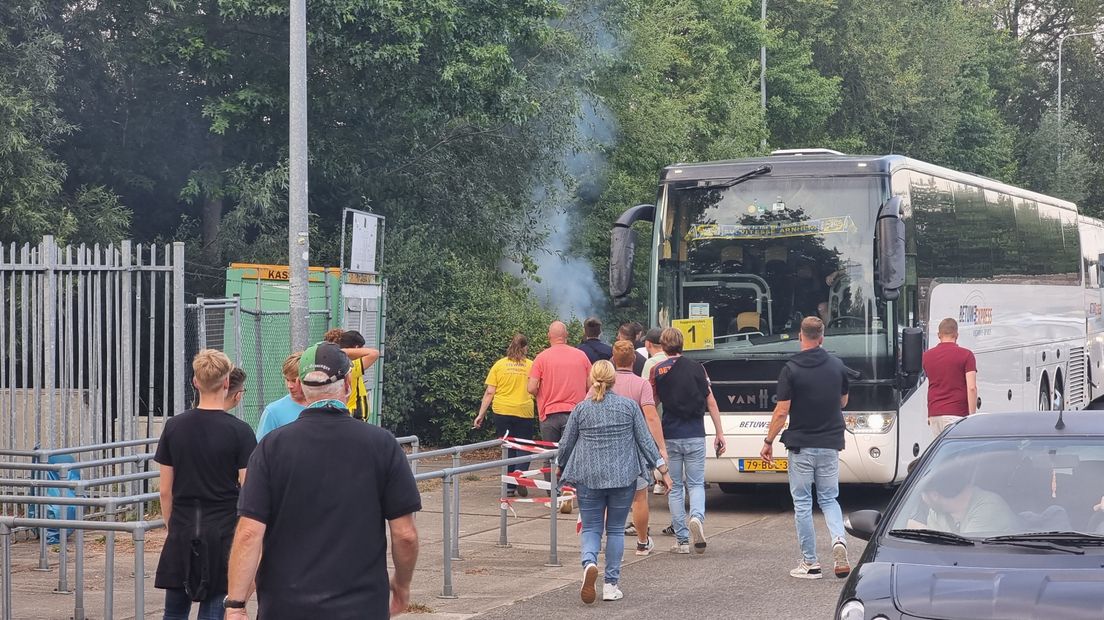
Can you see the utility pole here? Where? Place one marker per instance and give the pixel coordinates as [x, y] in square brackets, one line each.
[763, 68]
[1061, 41]
[298, 221]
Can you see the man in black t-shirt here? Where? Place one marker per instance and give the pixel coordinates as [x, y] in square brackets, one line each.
[202, 453]
[812, 391]
[316, 500]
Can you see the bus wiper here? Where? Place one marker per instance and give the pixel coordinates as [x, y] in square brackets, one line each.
[764, 169]
[1077, 539]
[933, 536]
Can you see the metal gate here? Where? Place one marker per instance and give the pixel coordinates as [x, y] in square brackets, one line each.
[91, 342]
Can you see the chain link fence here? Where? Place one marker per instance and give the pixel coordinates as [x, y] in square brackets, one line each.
[257, 342]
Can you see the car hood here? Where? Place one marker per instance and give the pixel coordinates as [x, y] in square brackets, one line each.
[1008, 594]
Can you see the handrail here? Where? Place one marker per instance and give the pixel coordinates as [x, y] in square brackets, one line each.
[471, 447]
[79, 485]
[75, 465]
[96, 502]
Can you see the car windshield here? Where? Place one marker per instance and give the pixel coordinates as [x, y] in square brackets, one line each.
[1007, 487]
[758, 257]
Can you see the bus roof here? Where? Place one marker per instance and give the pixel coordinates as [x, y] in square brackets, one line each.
[842, 165]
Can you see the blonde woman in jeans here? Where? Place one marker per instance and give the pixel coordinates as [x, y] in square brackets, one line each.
[605, 448]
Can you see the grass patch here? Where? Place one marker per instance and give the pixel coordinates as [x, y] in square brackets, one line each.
[418, 608]
[472, 477]
[425, 486]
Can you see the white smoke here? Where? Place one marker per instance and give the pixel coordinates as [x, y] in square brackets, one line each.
[565, 282]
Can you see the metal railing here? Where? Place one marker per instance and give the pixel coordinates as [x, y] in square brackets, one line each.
[80, 525]
[450, 494]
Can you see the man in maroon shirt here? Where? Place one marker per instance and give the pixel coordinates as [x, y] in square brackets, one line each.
[952, 379]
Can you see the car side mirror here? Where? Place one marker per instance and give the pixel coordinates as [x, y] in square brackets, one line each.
[891, 249]
[862, 523]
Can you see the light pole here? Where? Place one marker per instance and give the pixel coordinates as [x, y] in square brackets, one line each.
[1061, 41]
[298, 224]
[763, 68]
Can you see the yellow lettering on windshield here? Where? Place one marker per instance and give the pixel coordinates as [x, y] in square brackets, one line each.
[777, 230]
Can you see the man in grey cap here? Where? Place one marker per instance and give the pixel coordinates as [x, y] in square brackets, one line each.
[316, 499]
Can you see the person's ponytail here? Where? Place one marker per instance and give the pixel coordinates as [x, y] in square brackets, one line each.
[602, 377]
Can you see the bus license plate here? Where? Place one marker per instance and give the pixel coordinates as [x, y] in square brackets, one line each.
[752, 465]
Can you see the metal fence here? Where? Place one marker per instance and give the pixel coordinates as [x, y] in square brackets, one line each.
[91, 342]
[255, 340]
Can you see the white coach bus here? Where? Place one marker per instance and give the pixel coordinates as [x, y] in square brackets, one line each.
[882, 248]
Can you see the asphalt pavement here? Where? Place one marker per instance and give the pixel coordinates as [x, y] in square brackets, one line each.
[743, 574]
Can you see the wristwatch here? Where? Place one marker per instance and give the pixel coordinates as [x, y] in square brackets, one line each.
[663, 471]
[768, 441]
[229, 603]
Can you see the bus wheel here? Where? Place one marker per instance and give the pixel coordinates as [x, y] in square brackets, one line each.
[1044, 396]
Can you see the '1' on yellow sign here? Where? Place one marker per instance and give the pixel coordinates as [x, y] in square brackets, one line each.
[697, 333]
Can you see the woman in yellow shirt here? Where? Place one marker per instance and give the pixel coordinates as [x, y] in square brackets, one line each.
[507, 397]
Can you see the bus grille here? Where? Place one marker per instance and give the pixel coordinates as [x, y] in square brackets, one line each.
[1075, 379]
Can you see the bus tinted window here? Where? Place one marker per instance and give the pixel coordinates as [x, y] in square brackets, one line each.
[965, 233]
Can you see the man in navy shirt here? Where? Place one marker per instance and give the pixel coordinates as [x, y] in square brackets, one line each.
[318, 494]
[594, 348]
[682, 386]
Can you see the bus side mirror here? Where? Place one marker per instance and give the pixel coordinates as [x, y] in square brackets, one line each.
[912, 351]
[623, 249]
[891, 249]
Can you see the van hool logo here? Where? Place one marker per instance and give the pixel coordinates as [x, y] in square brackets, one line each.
[762, 399]
[974, 311]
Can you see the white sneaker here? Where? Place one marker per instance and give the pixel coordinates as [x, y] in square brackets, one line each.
[697, 532]
[841, 567]
[681, 548]
[645, 548]
[805, 571]
[610, 592]
[590, 575]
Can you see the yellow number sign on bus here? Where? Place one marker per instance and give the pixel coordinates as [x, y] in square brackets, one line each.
[697, 333]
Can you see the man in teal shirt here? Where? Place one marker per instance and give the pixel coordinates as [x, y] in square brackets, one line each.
[287, 409]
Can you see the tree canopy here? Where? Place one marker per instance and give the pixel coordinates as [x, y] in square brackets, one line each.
[499, 135]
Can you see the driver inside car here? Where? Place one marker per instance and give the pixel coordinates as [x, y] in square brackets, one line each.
[957, 505]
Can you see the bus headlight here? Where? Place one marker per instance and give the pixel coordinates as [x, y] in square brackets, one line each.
[869, 421]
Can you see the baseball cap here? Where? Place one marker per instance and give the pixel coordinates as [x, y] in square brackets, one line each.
[323, 357]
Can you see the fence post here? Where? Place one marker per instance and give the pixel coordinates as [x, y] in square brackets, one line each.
[178, 325]
[456, 511]
[446, 543]
[43, 563]
[553, 556]
[502, 505]
[201, 324]
[6, 570]
[415, 447]
[257, 355]
[63, 560]
[237, 329]
[109, 566]
[78, 569]
[139, 573]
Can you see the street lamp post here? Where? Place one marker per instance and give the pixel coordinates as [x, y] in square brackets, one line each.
[1061, 42]
[298, 220]
[763, 68]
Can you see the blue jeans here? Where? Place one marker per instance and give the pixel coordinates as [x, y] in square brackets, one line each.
[178, 605]
[686, 458]
[604, 509]
[819, 465]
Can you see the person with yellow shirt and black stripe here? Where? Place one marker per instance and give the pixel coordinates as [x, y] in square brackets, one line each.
[352, 343]
[506, 395]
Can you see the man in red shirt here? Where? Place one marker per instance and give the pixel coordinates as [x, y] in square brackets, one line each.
[952, 379]
[558, 379]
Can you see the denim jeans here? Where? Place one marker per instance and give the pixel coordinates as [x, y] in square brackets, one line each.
[604, 509]
[178, 605]
[819, 465]
[686, 458]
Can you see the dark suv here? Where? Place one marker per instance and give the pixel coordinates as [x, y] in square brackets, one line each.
[1002, 517]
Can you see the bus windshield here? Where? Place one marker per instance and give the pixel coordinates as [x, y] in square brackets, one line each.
[759, 256]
